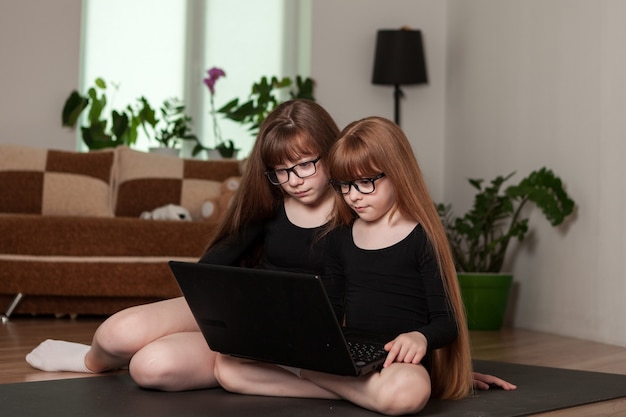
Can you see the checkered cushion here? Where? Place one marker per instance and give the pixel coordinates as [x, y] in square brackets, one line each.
[146, 181]
[51, 182]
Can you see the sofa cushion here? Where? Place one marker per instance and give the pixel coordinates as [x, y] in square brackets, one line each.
[146, 181]
[67, 236]
[55, 183]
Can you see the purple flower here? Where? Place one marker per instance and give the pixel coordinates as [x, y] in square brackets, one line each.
[214, 74]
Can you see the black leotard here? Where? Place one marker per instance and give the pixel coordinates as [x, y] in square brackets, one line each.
[286, 247]
[393, 290]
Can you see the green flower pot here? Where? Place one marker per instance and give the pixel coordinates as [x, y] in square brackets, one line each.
[485, 297]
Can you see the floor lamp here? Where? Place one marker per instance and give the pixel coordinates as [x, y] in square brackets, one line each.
[399, 60]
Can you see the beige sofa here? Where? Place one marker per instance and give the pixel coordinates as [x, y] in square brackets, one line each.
[71, 237]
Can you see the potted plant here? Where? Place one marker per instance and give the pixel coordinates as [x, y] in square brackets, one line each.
[479, 239]
[173, 127]
[263, 100]
[95, 131]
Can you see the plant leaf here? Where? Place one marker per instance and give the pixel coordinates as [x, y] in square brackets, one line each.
[479, 239]
[74, 106]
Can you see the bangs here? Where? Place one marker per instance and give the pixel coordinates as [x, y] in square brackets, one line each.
[287, 146]
[352, 160]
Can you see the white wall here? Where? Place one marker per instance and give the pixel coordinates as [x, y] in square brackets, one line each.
[514, 85]
[533, 83]
[343, 43]
[39, 46]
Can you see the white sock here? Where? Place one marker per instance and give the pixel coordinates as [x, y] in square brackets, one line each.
[59, 355]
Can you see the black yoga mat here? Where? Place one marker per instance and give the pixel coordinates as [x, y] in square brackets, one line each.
[540, 389]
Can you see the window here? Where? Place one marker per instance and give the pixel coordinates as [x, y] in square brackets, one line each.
[162, 48]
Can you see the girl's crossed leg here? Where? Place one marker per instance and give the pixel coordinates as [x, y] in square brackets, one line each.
[396, 390]
[401, 388]
[160, 343]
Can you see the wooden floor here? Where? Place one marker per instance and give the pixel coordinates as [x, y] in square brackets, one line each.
[21, 334]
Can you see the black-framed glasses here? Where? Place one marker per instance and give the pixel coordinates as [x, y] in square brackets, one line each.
[301, 170]
[362, 185]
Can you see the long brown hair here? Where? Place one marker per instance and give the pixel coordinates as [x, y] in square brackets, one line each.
[294, 128]
[367, 147]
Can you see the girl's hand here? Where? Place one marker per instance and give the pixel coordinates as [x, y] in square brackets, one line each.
[484, 381]
[406, 348]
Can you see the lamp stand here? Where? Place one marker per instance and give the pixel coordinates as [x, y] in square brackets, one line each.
[397, 94]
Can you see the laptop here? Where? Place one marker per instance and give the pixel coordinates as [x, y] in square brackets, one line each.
[279, 317]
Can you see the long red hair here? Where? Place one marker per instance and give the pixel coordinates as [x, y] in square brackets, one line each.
[367, 147]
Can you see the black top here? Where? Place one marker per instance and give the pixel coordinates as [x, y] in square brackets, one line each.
[286, 247]
[393, 290]
[388, 291]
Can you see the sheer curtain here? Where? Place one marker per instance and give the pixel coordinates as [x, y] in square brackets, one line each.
[163, 48]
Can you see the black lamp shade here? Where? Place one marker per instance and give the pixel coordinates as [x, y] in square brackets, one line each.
[399, 58]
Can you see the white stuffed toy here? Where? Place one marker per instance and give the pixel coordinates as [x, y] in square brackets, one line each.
[167, 212]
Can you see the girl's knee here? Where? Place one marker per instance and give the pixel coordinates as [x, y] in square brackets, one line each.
[174, 364]
[121, 334]
[149, 369]
[406, 401]
[407, 392]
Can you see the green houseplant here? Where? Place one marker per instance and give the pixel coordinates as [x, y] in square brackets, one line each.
[263, 98]
[479, 239]
[96, 132]
[174, 126]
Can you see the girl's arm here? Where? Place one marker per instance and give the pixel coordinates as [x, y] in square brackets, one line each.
[229, 250]
[334, 278]
[442, 327]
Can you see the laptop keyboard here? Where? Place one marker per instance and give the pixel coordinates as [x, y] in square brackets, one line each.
[364, 353]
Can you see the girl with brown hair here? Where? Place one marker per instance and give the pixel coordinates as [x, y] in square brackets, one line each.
[406, 215]
[283, 202]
